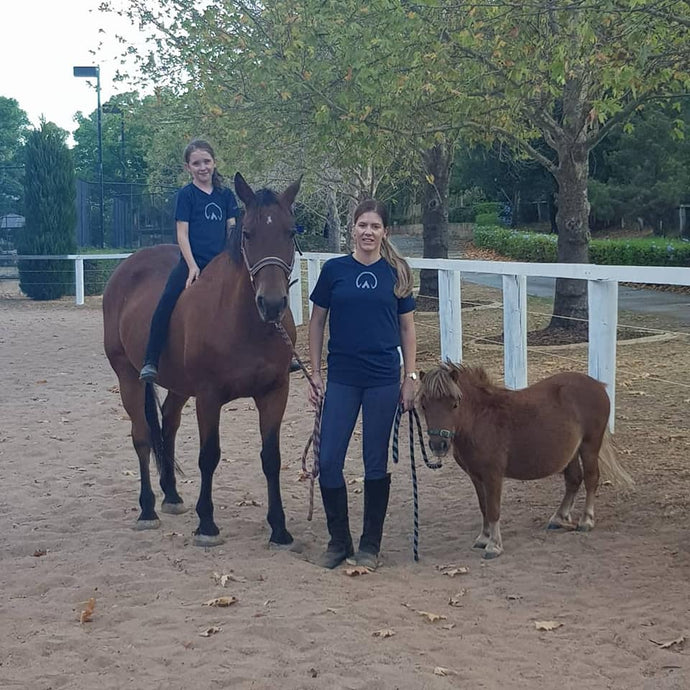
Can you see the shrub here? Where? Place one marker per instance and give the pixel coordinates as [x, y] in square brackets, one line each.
[490, 218]
[50, 213]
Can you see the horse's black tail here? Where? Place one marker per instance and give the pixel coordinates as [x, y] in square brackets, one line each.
[151, 405]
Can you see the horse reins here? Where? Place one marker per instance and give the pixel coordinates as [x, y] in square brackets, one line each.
[413, 414]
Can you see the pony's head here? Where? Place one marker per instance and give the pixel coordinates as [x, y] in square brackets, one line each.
[439, 397]
[265, 240]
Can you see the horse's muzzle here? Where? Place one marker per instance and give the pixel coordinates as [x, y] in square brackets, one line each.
[271, 310]
[440, 441]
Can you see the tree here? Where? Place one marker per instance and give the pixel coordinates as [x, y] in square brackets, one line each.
[49, 199]
[14, 125]
[570, 72]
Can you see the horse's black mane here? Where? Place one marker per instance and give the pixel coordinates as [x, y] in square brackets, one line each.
[264, 197]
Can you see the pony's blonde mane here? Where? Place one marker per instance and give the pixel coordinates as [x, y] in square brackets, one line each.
[447, 379]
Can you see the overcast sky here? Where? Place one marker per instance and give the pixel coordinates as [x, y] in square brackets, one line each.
[40, 42]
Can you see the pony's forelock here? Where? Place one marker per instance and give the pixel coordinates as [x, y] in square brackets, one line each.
[439, 383]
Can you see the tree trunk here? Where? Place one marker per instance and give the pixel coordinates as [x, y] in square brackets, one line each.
[437, 164]
[333, 222]
[572, 218]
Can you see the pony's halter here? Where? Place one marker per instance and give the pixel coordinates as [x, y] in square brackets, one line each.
[267, 261]
[443, 433]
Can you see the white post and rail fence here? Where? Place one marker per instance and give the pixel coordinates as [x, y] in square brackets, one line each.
[602, 297]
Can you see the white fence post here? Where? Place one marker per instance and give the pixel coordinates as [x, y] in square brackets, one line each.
[515, 331]
[450, 315]
[79, 280]
[602, 296]
[313, 267]
[296, 292]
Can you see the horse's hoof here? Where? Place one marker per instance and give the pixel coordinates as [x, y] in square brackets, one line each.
[141, 525]
[174, 508]
[208, 540]
[561, 525]
[491, 553]
[584, 527]
[281, 541]
[294, 546]
[479, 544]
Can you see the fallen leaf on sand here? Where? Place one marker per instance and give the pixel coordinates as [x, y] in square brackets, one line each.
[432, 617]
[221, 602]
[455, 600]
[667, 645]
[440, 671]
[514, 597]
[332, 610]
[249, 502]
[129, 473]
[357, 570]
[385, 632]
[210, 631]
[87, 611]
[456, 571]
[547, 625]
[448, 626]
[40, 552]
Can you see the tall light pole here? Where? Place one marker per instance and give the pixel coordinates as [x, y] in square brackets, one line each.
[95, 71]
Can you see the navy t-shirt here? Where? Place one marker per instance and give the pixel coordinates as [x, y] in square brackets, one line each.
[363, 321]
[207, 216]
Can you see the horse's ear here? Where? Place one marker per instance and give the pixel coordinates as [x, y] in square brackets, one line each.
[244, 191]
[290, 194]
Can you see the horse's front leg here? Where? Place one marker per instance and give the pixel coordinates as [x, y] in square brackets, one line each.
[483, 538]
[493, 485]
[271, 408]
[208, 417]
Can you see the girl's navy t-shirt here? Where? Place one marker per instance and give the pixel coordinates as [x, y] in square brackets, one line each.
[363, 321]
[207, 215]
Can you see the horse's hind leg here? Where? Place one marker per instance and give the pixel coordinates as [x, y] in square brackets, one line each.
[589, 453]
[132, 394]
[172, 414]
[271, 409]
[572, 474]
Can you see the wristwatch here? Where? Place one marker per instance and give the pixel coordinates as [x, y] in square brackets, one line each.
[412, 375]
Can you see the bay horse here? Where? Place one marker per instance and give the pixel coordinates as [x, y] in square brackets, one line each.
[556, 425]
[223, 344]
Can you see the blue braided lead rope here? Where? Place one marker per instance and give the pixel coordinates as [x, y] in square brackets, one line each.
[396, 456]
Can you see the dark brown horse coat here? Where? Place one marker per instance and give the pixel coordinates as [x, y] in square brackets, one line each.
[223, 344]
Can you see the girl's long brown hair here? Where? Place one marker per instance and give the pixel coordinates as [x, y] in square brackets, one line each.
[405, 282]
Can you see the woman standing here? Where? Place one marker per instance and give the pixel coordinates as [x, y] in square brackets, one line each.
[205, 212]
[367, 298]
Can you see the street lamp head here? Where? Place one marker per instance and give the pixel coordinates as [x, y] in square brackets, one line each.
[90, 71]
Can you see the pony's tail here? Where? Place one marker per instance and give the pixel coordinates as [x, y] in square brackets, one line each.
[611, 468]
[151, 405]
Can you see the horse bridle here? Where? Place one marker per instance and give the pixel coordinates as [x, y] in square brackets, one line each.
[443, 433]
[266, 261]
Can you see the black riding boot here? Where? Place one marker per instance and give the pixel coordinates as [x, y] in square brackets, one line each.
[340, 544]
[376, 492]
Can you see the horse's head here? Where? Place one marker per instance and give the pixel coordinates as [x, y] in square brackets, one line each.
[267, 245]
[440, 397]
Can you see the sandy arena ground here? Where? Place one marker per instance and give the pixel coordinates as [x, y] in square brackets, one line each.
[68, 500]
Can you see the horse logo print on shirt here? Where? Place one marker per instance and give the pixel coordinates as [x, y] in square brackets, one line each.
[366, 280]
[213, 212]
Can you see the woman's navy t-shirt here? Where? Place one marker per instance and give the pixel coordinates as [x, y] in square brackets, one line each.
[363, 321]
[207, 215]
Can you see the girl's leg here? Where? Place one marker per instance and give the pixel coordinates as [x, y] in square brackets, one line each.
[340, 409]
[341, 406]
[378, 412]
[161, 319]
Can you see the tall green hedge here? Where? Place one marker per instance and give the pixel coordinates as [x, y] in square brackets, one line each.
[538, 247]
[50, 213]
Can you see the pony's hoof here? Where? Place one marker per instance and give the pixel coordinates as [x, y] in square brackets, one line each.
[208, 540]
[491, 553]
[561, 524]
[585, 527]
[479, 544]
[291, 546]
[174, 508]
[141, 525]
